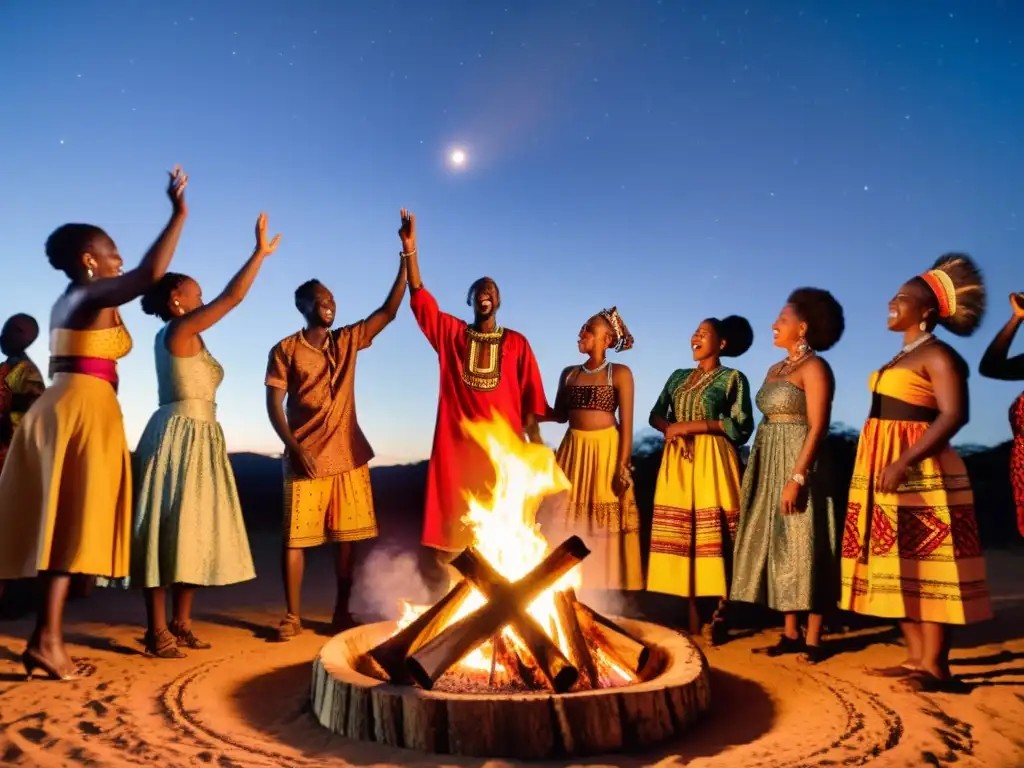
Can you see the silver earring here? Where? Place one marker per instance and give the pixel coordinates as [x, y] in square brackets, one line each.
[801, 347]
[88, 272]
[923, 326]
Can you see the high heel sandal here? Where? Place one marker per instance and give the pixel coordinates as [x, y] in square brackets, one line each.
[163, 645]
[33, 660]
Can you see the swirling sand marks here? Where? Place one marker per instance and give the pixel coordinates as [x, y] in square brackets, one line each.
[245, 703]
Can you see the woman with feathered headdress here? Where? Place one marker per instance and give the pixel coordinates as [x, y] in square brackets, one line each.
[595, 456]
[911, 549]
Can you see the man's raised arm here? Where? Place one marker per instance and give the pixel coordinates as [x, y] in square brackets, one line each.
[387, 312]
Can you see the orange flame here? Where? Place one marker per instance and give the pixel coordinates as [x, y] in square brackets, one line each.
[506, 533]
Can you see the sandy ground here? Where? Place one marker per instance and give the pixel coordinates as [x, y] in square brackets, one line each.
[244, 703]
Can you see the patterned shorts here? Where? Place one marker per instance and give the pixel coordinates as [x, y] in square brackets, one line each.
[328, 509]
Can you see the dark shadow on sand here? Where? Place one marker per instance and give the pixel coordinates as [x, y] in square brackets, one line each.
[100, 643]
[277, 704]
[259, 631]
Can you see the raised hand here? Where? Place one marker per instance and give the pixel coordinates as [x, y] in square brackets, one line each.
[262, 246]
[176, 189]
[1017, 304]
[407, 232]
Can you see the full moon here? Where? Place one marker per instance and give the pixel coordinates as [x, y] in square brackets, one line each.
[457, 158]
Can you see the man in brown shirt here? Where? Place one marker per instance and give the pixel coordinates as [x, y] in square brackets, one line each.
[327, 494]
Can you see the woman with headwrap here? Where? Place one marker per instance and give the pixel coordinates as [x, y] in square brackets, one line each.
[706, 415]
[595, 456]
[911, 549]
[997, 364]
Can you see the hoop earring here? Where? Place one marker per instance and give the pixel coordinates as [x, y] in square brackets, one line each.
[802, 347]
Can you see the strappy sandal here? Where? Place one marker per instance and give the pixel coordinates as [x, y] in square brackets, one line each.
[786, 645]
[163, 645]
[289, 627]
[185, 639]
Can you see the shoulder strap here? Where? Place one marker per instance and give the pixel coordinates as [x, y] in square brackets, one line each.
[610, 366]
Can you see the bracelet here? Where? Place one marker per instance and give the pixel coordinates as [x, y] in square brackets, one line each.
[405, 255]
[798, 479]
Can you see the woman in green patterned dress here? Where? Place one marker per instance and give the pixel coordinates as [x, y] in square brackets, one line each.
[188, 529]
[705, 414]
[785, 554]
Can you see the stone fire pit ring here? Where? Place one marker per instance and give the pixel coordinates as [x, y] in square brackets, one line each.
[674, 693]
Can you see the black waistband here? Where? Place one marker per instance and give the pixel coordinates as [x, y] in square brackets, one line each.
[890, 409]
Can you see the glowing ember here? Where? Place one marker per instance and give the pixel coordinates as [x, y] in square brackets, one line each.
[506, 534]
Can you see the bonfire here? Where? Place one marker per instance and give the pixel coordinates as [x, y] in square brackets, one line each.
[513, 622]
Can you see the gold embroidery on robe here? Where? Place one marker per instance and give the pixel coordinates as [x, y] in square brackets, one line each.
[476, 376]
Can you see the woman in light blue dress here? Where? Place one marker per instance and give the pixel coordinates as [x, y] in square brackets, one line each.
[188, 529]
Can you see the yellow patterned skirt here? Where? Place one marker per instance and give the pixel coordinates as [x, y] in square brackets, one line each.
[696, 509]
[65, 489]
[914, 554]
[610, 526]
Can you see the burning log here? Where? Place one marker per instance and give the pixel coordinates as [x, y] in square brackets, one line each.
[391, 654]
[565, 602]
[627, 651]
[520, 668]
[559, 672]
[431, 661]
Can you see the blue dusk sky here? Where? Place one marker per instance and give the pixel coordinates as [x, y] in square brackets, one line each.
[678, 159]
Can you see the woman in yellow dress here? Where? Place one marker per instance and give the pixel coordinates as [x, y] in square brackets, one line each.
[595, 456]
[706, 415]
[66, 484]
[911, 550]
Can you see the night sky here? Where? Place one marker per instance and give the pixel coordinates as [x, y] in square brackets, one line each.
[677, 159]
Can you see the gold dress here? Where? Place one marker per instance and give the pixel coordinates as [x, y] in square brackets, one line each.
[66, 484]
[916, 553]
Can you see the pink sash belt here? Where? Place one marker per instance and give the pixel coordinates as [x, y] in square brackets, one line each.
[90, 366]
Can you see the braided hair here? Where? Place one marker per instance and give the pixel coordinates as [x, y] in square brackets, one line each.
[735, 331]
[157, 300]
[67, 243]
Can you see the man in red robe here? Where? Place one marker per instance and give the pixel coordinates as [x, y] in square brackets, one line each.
[485, 369]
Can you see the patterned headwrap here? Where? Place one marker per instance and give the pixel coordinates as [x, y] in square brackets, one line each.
[944, 290]
[623, 340]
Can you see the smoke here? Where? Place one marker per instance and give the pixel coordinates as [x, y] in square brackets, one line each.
[610, 603]
[385, 578]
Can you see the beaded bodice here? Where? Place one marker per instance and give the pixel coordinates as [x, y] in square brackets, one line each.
[782, 400]
[185, 378]
[591, 397]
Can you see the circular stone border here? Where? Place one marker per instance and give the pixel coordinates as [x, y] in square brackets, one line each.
[352, 703]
